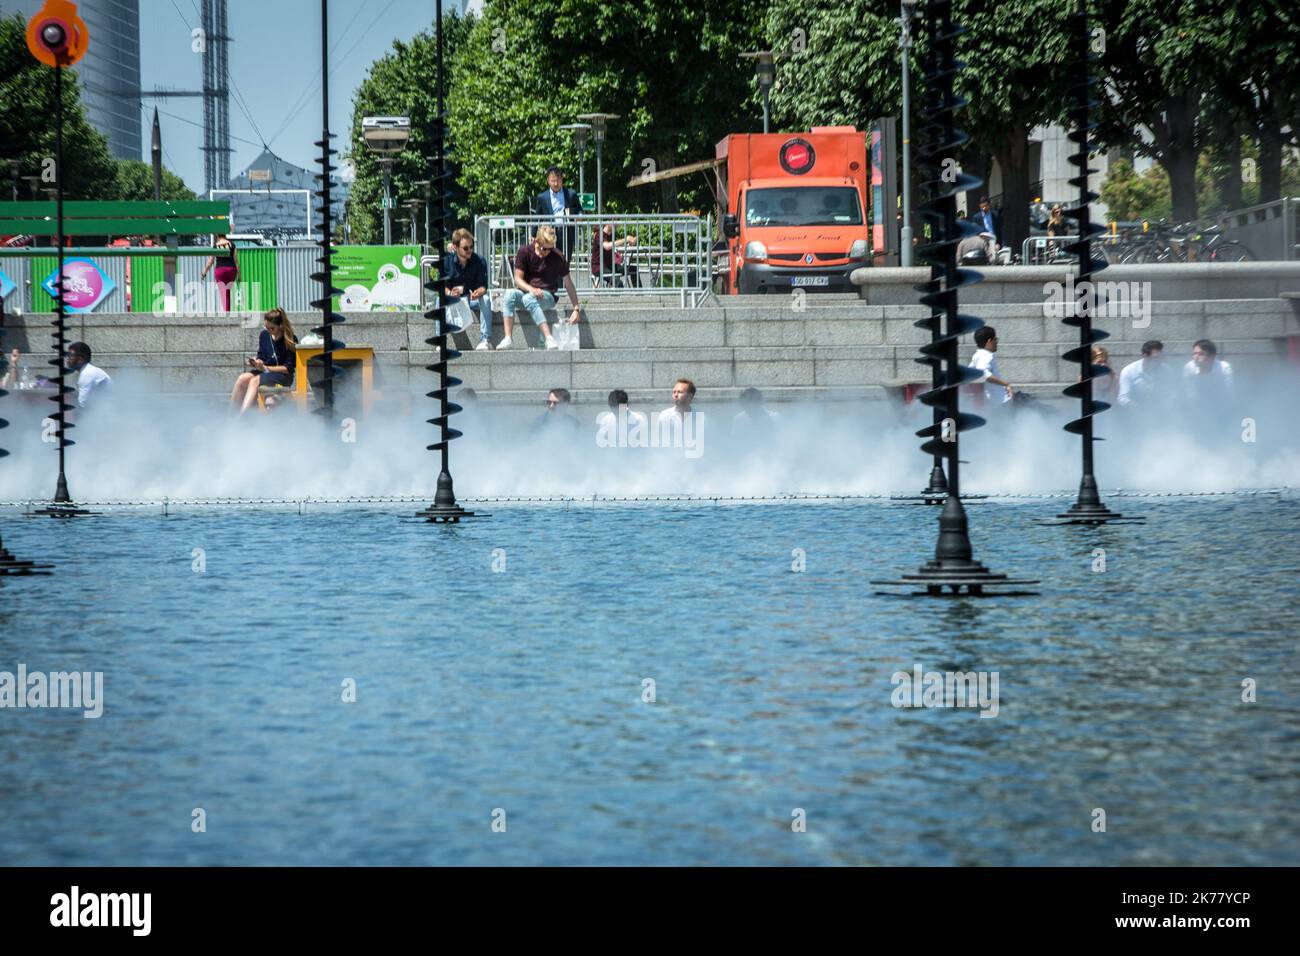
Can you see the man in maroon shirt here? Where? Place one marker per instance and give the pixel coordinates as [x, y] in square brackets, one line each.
[539, 271]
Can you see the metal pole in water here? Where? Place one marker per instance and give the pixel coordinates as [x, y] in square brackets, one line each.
[444, 509]
[953, 571]
[323, 385]
[1088, 508]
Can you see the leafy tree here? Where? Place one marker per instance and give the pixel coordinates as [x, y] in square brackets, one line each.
[1158, 70]
[27, 122]
[403, 83]
[1130, 197]
[1018, 75]
[670, 68]
[1253, 46]
[1016, 78]
[841, 64]
[135, 181]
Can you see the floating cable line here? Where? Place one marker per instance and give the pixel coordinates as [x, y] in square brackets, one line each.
[200, 126]
[305, 97]
[794, 497]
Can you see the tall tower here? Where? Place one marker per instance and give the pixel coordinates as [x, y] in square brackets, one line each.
[216, 96]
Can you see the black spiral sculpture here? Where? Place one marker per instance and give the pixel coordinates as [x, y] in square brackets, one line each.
[10, 564]
[953, 571]
[1088, 508]
[936, 490]
[61, 507]
[444, 509]
[320, 367]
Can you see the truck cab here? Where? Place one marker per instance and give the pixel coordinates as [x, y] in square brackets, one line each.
[796, 209]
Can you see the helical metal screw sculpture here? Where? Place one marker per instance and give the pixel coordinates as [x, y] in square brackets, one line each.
[953, 568]
[11, 564]
[444, 509]
[58, 37]
[1088, 508]
[323, 364]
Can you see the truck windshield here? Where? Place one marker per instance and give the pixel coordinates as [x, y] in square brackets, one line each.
[803, 206]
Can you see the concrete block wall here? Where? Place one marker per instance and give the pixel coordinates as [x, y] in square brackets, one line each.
[828, 346]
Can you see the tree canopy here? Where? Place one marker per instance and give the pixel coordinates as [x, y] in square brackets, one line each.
[27, 123]
[1176, 82]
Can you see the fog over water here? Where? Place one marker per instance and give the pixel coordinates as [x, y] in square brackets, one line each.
[138, 447]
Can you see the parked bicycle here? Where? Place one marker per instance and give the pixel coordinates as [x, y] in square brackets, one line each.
[1188, 242]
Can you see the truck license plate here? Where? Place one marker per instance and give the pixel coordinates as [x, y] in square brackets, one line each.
[810, 280]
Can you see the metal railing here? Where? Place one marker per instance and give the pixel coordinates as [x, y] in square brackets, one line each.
[1270, 230]
[650, 254]
[1039, 250]
[1042, 250]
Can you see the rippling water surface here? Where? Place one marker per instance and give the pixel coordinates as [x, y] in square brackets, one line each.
[522, 690]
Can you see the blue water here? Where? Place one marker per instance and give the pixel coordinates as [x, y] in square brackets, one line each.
[522, 690]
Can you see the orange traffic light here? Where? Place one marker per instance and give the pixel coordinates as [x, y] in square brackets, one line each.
[56, 35]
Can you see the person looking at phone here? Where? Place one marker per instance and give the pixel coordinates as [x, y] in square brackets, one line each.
[274, 363]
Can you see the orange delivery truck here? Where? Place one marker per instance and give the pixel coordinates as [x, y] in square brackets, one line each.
[796, 214]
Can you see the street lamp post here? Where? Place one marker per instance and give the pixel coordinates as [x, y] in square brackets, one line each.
[386, 136]
[425, 184]
[598, 123]
[413, 205]
[581, 133]
[765, 68]
[905, 44]
[387, 166]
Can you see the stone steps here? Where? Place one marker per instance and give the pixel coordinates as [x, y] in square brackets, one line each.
[834, 347]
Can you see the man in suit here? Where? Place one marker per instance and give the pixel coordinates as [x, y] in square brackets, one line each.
[989, 220]
[558, 202]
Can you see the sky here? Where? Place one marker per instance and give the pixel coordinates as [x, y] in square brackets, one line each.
[275, 73]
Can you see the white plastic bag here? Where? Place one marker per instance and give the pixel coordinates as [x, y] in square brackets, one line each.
[459, 316]
[566, 335]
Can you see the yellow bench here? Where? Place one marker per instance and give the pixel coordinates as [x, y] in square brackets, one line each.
[363, 354]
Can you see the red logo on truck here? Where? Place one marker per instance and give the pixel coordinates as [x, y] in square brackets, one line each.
[797, 156]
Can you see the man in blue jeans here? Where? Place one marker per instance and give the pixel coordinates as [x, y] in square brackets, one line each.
[539, 270]
[465, 277]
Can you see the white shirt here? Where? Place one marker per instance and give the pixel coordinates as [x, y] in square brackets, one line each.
[609, 421]
[744, 421]
[91, 379]
[670, 421]
[1217, 379]
[987, 362]
[671, 410]
[1138, 383]
[557, 204]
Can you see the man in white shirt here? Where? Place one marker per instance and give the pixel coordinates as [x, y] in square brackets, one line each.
[1205, 377]
[678, 426]
[754, 420]
[1139, 382]
[985, 360]
[607, 422]
[91, 380]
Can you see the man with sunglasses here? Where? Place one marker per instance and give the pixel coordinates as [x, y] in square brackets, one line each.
[539, 271]
[557, 415]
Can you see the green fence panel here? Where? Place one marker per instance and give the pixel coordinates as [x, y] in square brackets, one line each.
[257, 289]
[41, 267]
[113, 227]
[146, 272]
[131, 208]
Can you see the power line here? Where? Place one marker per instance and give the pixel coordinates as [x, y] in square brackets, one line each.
[298, 108]
[188, 26]
[239, 96]
[200, 126]
[300, 101]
